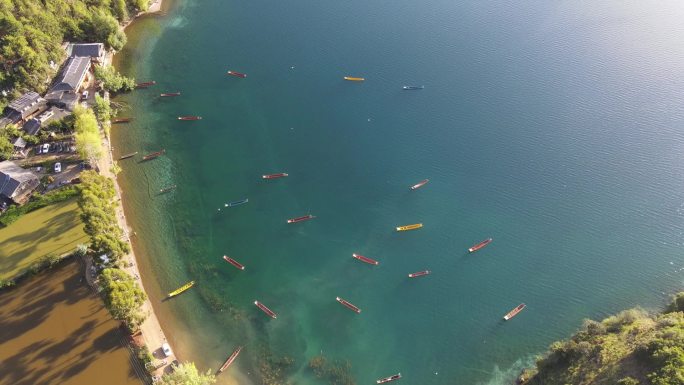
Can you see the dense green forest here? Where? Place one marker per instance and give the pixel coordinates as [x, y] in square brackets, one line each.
[32, 33]
[630, 348]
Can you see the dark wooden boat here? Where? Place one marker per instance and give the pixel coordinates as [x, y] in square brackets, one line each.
[132, 154]
[145, 84]
[301, 219]
[189, 118]
[266, 310]
[419, 273]
[153, 155]
[170, 94]
[233, 262]
[275, 176]
[121, 120]
[167, 189]
[388, 379]
[365, 259]
[349, 305]
[230, 359]
[237, 74]
[480, 245]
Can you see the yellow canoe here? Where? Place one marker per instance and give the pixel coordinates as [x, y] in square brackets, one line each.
[354, 79]
[409, 227]
[182, 289]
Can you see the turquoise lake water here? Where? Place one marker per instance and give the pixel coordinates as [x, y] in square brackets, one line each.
[556, 128]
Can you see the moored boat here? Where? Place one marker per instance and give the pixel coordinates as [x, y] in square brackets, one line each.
[130, 155]
[514, 312]
[168, 94]
[419, 273]
[167, 189]
[230, 359]
[154, 155]
[237, 74]
[190, 117]
[233, 262]
[388, 379]
[275, 176]
[236, 203]
[266, 310]
[420, 184]
[121, 120]
[413, 87]
[365, 259]
[301, 219]
[145, 84]
[409, 227]
[353, 79]
[182, 289]
[480, 245]
[348, 305]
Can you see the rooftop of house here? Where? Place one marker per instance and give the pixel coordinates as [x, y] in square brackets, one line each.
[12, 177]
[72, 74]
[86, 50]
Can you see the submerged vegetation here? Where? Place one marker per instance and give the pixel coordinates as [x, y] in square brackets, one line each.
[630, 348]
[333, 372]
[33, 32]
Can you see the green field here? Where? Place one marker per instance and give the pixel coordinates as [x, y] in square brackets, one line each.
[55, 229]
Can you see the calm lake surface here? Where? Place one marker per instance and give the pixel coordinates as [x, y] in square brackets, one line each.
[556, 128]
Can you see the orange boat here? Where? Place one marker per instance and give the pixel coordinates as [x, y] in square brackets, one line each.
[514, 312]
[353, 79]
[365, 259]
[266, 310]
[233, 262]
[348, 305]
[230, 359]
[480, 245]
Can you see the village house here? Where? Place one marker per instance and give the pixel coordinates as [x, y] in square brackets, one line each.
[74, 76]
[94, 51]
[16, 183]
[25, 107]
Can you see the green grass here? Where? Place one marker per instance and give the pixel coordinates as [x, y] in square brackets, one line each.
[55, 229]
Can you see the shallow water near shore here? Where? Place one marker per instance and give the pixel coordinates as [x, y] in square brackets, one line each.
[555, 129]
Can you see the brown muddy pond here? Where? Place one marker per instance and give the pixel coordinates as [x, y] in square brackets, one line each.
[54, 330]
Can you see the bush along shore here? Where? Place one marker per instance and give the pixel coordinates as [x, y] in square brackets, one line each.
[630, 348]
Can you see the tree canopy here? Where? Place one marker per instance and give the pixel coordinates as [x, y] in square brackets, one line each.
[87, 135]
[187, 374]
[123, 296]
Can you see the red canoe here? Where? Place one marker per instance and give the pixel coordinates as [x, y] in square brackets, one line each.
[237, 74]
[266, 310]
[349, 305]
[420, 184]
[230, 359]
[301, 219]
[233, 262]
[189, 118]
[275, 176]
[419, 273]
[153, 155]
[388, 379]
[480, 245]
[170, 94]
[365, 259]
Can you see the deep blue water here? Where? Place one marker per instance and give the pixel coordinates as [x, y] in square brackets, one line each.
[553, 127]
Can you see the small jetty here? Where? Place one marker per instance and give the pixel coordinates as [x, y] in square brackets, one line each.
[230, 359]
[349, 305]
[130, 155]
[365, 259]
[266, 310]
[181, 289]
[237, 74]
[409, 227]
[514, 312]
[121, 120]
[420, 184]
[419, 274]
[167, 189]
[480, 245]
[301, 219]
[145, 84]
[190, 117]
[233, 262]
[169, 94]
[354, 79]
[154, 155]
[388, 379]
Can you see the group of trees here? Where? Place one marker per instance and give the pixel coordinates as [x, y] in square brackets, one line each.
[123, 297]
[112, 80]
[187, 374]
[7, 134]
[98, 213]
[87, 135]
[630, 348]
[32, 32]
